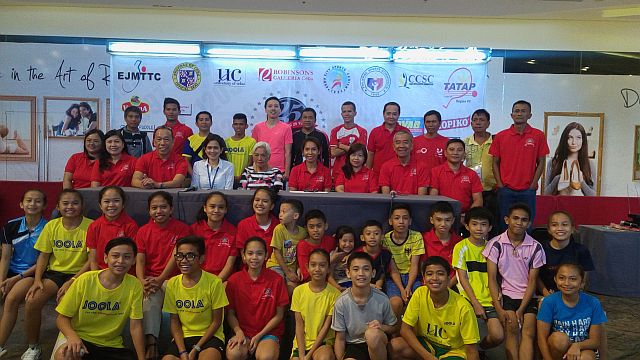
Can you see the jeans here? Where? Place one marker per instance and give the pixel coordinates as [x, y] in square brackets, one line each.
[508, 197]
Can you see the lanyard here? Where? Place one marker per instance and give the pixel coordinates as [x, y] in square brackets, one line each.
[211, 183]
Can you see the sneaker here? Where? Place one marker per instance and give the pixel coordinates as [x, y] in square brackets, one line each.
[2, 351]
[32, 354]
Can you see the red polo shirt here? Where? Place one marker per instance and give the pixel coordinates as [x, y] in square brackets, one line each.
[518, 154]
[341, 135]
[158, 243]
[256, 302]
[364, 181]
[303, 180]
[161, 170]
[101, 231]
[248, 227]
[304, 249]
[456, 185]
[381, 142]
[435, 247]
[118, 174]
[430, 151]
[219, 244]
[81, 167]
[404, 179]
[181, 133]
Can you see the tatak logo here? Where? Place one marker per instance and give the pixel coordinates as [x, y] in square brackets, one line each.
[459, 84]
[230, 77]
[529, 142]
[465, 179]
[267, 294]
[136, 101]
[138, 74]
[375, 81]
[186, 76]
[270, 74]
[336, 79]
[407, 80]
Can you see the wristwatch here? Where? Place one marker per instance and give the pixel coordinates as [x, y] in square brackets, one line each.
[197, 348]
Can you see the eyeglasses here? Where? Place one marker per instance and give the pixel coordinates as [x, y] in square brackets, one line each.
[189, 256]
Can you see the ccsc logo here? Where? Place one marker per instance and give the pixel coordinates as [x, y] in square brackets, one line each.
[186, 76]
[375, 81]
[336, 79]
[408, 80]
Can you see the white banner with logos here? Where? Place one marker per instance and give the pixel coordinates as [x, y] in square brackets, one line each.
[225, 87]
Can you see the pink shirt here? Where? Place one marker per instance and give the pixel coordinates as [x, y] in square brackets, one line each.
[277, 137]
[514, 263]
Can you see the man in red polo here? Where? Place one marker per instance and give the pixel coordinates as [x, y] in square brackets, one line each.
[345, 135]
[161, 168]
[380, 144]
[429, 148]
[454, 180]
[518, 157]
[181, 132]
[403, 174]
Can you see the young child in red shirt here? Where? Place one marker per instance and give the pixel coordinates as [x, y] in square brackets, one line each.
[440, 240]
[219, 236]
[262, 223]
[113, 223]
[316, 224]
[257, 300]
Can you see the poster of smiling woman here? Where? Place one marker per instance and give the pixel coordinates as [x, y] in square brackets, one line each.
[573, 166]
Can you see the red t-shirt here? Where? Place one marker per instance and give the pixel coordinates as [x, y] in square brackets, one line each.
[381, 142]
[256, 302]
[364, 181]
[304, 249]
[219, 244]
[161, 170]
[80, 166]
[181, 133]
[430, 152]
[341, 135]
[101, 231]
[158, 244]
[303, 180]
[248, 227]
[518, 154]
[459, 186]
[404, 179]
[434, 247]
[118, 174]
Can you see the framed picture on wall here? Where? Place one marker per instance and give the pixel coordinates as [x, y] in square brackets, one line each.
[18, 128]
[68, 117]
[636, 155]
[574, 164]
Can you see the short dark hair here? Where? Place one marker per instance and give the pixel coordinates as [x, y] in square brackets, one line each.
[453, 141]
[342, 230]
[371, 223]
[121, 241]
[433, 112]
[272, 98]
[442, 207]
[359, 255]
[254, 239]
[295, 204]
[204, 113]
[201, 215]
[436, 260]
[482, 112]
[322, 252]
[44, 196]
[117, 189]
[478, 213]
[163, 194]
[560, 212]
[520, 206]
[351, 103]
[240, 116]
[574, 265]
[168, 101]
[400, 206]
[162, 127]
[313, 140]
[314, 214]
[197, 241]
[311, 110]
[134, 109]
[521, 102]
[70, 191]
[89, 133]
[390, 103]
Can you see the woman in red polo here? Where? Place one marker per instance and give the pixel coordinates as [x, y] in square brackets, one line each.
[311, 175]
[115, 166]
[262, 223]
[77, 172]
[354, 176]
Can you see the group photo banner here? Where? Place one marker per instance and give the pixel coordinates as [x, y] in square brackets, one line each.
[228, 86]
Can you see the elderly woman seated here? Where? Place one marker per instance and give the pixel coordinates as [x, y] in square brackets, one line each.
[260, 174]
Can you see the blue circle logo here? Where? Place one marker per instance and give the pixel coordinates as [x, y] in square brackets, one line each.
[375, 81]
[336, 79]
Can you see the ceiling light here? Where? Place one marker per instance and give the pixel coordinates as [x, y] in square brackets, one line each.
[362, 53]
[153, 48]
[250, 51]
[441, 55]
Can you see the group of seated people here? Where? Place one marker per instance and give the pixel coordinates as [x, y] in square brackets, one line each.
[368, 293]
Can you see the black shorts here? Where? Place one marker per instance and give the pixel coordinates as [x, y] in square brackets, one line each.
[356, 351]
[96, 352]
[514, 304]
[214, 342]
[57, 277]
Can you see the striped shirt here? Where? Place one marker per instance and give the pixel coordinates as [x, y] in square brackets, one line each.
[252, 179]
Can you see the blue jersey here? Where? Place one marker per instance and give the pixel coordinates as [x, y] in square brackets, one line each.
[575, 321]
[16, 234]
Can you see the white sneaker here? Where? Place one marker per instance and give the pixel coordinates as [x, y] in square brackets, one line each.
[2, 351]
[32, 354]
